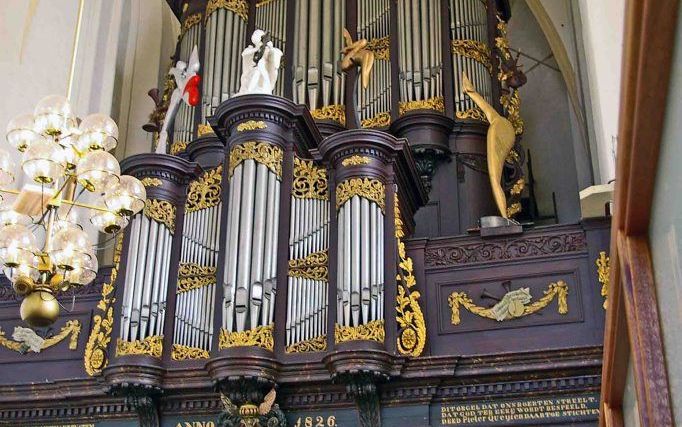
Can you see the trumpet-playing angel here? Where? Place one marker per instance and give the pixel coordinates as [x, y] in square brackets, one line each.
[499, 142]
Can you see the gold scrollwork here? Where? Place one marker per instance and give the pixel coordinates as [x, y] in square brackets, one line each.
[371, 331]
[191, 269]
[334, 112]
[260, 336]
[178, 147]
[474, 49]
[356, 160]
[312, 260]
[314, 266]
[239, 7]
[603, 270]
[95, 356]
[261, 152]
[151, 182]
[161, 211]
[189, 22]
[251, 125]
[514, 307]
[183, 352]
[150, 346]
[204, 129]
[379, 121]
[512, 105]
[513, 209]
[205, 191]
[72, 327]
[472, 114]
[364, 187]
[435, 103]
[309, 346]
[194, 282]
[310, 181]
[518, 186]
[381, 48]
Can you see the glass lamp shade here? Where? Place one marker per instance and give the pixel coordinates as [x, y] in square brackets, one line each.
[97, 132]
[53, 115]
[109, 222]
[24, 270]
[6, 174]
[84, 273]
[127, 197]
[21, 132]
[17, 245]
[97, 171]
[70, 247]
[43, 161]
[9, 216]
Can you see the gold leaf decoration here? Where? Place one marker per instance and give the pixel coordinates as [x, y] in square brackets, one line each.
[257, 337]
[314, 266]
[205, 192]
[191, 269]
[162, 212]
[204, 129]
[355, 160]
[310, 181]
[335, 112]
[95, 356]
[72, 327]
[371, 331]
[151, 182]
[371, 189]
[603, 270]
[513, 209]
[261, 152]
[309, 346]
[238, 7]
[474, 49]
[251, 125]
[518, 186]
[512, 105]
[461, 299]
[381, 48]
[194, 282]
[426, 104]
[379, 121]
[472, 114]
[150, 346]
[189, 22]
[183, 352]
[178, 147]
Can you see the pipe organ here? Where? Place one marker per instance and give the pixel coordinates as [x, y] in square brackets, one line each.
[271, 17]
[183, 126]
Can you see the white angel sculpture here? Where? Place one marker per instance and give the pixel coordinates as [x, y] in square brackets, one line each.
[187, 89]
[260, 65]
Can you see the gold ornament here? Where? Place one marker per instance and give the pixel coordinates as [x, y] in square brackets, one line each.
[333, 112]
[205, 191]
[472, 114]
[178, 147]
[310, 182]
[39, 308]
[238, 7]
[72, 327]
[364, 187]
[309, 346]
[191, 269]
[150, 346]
[194, 282]
[378, 121]
[426, 104]
[513, 209]
[474, 49]
[371, 331]
[189, 22]
[251, 125]
[381, 48]
[355, 160]
[162, 212]
[183, 352]
[261, 152]
[512, 105]
[314, 266]
[151, 182]
[258, 337]
[204, 129]
[603, 270]
[518, 186]
[95, 357]
[516, 308]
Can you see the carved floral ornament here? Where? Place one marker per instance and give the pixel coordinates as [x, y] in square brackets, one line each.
[72, 327]
[205, 192]
[251, 125]
[261, 152]
[238, 7]
[183, 352]
[314, 266]
[150, 346]
[371, 331]
[262, 336]
[436, 104]
[474, 49]
[310, 181]
[335, 112]
[378, 121]
[178, 147]
[368, 188]
[603, 270]
[151, 182]
[312, 345]
[162, 212]
[355, 160]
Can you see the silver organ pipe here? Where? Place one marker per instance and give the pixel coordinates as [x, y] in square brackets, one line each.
[198, 263]
[271, 17]
[183, 126]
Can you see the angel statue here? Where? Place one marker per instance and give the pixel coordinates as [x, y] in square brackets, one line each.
[500, 141]
[260, 65]
[355, 54]
[187, 90]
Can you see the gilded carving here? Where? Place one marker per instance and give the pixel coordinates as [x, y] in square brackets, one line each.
[204, 129]
[308, 346]
[513, 305]
[205, 191]
[238, 7]
[472, 114]
[161, 211]
[178, 147]
[314, 266]
[381, 48]
[191, 269]
[194, 282]
[72, 327]
[379, 121]
[310, 181]
[518, 186]
[371, 331]
[474, 49]
[356, 55]
[335, 112]
[371, 189]
[95, 357]
[183, 352]
[603, 270]
[151, 182]
[259, 337]
[251, 125]
[189, 22]
[261, 152]
[150, 346]
[513, 209]
[512, 105]
[355, 160]
[426, 104]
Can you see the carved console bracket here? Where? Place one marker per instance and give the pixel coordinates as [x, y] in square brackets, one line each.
[428, 159]
[246, 402]
[362, 387]
[143, 400]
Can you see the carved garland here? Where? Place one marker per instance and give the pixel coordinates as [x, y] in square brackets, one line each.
[239, 7]
[72, 327]
[251, 125]
[474, 49]
[258, 337]
[378, 121]
[310, 182]
[314, 266]
[355, 160]
[426, 104]
[162, 212]
[95, 357]
[372, 331]
[183, 352]
[150, 346]
[308, 346]
[558, 289]
[205, 192]
[261, 152]
[603, 270]
[151, 182]
[371, 189]
[335, 112]
[178, 147]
